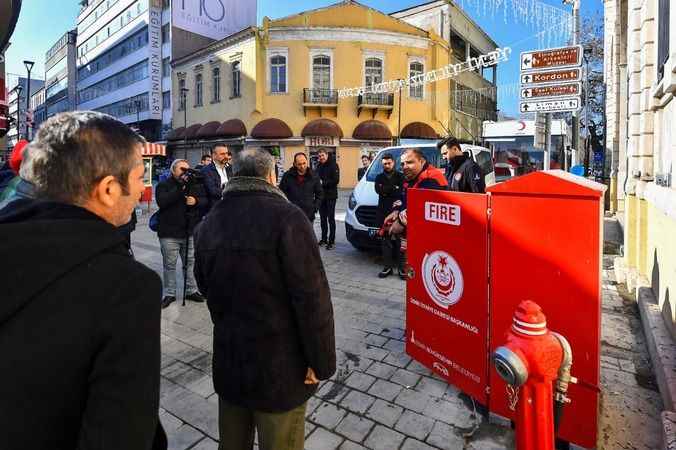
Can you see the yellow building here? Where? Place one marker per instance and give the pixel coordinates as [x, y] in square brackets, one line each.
[277, 87]
[640, 75]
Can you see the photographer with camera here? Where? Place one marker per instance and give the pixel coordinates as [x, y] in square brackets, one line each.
[180, 198]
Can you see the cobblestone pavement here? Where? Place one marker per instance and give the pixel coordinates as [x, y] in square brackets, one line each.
[379, 397]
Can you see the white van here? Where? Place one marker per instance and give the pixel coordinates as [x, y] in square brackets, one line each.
[360, 217]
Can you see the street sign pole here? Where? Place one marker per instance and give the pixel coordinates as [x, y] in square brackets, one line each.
[548, 140]
[576, 41]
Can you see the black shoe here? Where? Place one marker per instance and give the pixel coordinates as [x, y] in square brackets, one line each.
[195, 297]
[402, 275]
[168, 300]
[330, 246]
[322, 242]
[386, 272]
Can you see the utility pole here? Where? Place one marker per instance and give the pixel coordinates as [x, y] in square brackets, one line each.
[399, 121]
[576, 41]
[548, 141]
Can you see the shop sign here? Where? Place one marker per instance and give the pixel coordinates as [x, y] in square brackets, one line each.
[321, 141]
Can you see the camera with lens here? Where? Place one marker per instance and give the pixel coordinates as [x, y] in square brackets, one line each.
[192, 176]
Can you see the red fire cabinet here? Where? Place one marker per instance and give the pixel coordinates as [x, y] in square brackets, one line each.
[475, 257]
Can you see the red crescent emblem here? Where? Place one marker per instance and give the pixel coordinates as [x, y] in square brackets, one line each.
[443, 279]
[522, 125]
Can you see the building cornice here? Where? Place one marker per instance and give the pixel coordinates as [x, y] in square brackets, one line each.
[229, 41]
[348, 35]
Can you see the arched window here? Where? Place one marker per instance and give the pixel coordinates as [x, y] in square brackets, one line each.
[216, 84]
[416, 68]
[199, 101]
[278, 73]
[236, 79]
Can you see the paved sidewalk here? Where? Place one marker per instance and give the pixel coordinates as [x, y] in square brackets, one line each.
[380, 398]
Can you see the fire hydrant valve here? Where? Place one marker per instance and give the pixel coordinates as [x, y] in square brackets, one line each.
[529, 362]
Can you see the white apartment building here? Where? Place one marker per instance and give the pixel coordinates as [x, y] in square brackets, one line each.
[61, 76]
[123, 55]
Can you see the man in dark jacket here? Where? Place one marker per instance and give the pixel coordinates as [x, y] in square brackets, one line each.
[329, 174]
[205, 161]
[267, 292]
[389, 186]
[216, 175]
[302, 187]
[462, 173]
[79, 318]
[365, 162]
[180, 198]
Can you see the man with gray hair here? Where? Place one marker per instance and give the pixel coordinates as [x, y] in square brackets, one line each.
[180, 198]
[79, 317]
[258, 263]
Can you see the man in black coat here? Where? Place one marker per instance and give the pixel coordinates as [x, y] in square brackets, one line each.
[180, 198]
[216, 175]
[302, 187]
[462, 173]
[79, 317]
[365, 163]
[329, 174]
[389, 187]
[259, 266]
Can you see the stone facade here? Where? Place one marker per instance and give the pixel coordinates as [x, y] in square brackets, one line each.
[641, 82]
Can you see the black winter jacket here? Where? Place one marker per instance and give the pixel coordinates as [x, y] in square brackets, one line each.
[464, 175]
[329, 173]
[176, 218]
[306, 195]
[79, 334]
[389, 189]
[257, 261]
[212, 185]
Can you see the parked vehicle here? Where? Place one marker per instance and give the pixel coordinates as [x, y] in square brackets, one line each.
[360, 218]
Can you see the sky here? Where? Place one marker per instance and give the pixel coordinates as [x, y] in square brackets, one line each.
[42, 23]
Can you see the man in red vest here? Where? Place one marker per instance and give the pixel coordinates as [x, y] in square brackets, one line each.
[419, 174]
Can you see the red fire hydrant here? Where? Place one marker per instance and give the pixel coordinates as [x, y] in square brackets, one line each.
[531, 360]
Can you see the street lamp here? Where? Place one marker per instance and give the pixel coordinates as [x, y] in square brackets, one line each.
[29, 67]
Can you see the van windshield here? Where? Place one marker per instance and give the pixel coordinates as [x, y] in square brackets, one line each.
[431, 154]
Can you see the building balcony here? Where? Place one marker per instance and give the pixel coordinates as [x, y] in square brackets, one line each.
[375, 102]
[321, 99]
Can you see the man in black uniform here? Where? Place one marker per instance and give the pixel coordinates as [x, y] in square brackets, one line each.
[389, 186]
[329, 174]
[462, 173]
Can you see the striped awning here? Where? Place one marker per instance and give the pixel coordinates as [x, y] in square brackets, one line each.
[151, 149]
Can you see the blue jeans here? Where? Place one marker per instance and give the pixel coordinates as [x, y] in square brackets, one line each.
[171, 248]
